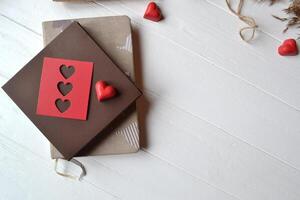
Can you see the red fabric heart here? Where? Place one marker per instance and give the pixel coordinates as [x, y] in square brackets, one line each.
[288, 48]
[104, 91]
[153, 12]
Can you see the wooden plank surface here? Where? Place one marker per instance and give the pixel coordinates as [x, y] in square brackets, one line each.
[222, 118]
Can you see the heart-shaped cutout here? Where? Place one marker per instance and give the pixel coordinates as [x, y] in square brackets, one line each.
[153, 12]
[62, 105]
[104, 91]
[288, 48]
[64, 88]
[67, 71]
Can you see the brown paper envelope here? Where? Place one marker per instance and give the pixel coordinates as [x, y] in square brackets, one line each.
[113, 35]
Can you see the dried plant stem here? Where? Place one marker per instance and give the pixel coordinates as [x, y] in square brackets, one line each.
[293, 20]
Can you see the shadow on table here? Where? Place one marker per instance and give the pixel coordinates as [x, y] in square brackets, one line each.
[143, 104]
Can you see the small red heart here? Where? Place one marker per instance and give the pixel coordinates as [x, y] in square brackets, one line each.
[104, 91]
[288, 48]
[153, 12]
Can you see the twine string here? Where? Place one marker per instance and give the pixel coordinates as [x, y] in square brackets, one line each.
[76, 162]
[246, 19]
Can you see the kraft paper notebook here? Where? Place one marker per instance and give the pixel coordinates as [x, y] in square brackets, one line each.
[113, 35]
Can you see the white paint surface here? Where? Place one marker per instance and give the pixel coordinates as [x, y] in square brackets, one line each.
[223, 119]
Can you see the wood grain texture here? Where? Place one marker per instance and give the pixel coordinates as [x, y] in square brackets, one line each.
[25, 175]
[223, 116]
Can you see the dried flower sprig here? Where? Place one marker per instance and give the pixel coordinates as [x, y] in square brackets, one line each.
[293, 20]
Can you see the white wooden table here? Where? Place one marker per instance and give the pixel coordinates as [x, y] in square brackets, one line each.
[223, 120]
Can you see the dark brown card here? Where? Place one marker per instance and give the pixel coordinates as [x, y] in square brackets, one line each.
[71, 135]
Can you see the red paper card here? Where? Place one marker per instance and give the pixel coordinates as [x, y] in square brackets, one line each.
[65, 88]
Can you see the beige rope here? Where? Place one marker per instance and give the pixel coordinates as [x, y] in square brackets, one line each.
[248, 20]
[76, 162]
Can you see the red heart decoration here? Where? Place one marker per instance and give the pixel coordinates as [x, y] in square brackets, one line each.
[153, 12]
[288, 48]
[104, 91]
